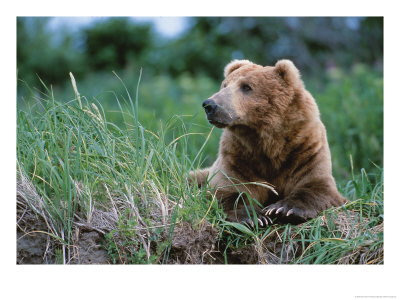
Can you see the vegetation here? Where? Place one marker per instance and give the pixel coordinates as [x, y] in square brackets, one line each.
[111, 152]
[83, 166]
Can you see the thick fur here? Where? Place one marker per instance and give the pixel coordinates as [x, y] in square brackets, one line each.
[272, 134]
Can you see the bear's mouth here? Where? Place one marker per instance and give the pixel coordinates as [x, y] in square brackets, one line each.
[217, 124]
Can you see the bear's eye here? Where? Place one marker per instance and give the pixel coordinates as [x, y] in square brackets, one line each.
[245, 87]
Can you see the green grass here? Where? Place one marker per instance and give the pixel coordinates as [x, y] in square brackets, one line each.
[79, 162]
[124, 173]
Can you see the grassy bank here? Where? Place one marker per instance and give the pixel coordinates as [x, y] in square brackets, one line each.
[80, 171]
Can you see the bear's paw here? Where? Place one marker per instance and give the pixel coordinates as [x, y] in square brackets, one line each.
[288, 211]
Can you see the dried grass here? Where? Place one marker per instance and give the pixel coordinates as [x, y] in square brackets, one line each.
[274, 249]
[34, 227]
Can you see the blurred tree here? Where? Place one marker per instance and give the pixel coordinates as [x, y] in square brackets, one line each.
[209, 43]
[38, 55]
[113, 43]
[312, 42]
[371, 39]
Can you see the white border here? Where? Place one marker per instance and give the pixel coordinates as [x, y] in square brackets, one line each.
[237, 282]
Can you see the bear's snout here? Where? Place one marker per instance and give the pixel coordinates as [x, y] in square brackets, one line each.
[210, 107]
[218, 114]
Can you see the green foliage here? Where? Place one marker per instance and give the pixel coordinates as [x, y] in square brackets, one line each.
[130, 249]
[113, 44]
[313, 43]
[38, 54]
[351, 108]
[108, 44]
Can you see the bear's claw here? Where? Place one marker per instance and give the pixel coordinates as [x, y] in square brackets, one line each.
[263, 221]
[285, 212]
[289, 212]
[277, 209]
[270, 211]
[269, 219]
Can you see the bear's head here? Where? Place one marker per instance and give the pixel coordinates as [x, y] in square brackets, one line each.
[252, 95]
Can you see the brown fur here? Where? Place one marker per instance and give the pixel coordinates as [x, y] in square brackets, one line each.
[272, 133]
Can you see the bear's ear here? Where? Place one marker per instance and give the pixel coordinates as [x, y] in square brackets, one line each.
[287, 71]
[234, 65]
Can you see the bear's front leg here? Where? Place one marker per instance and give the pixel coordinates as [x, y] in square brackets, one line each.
[305, 202]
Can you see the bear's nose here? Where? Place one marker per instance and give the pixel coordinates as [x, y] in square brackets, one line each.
[209, 106]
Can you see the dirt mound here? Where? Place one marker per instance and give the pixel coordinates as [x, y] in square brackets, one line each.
[36, 242]
[194, 245]
[199, 245]
[89, 248]
[245, 255]
[270, 251]
[34, 245]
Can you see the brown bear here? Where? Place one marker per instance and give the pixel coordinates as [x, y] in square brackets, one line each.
[273, 147]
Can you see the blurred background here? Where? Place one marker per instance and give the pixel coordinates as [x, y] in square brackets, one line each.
[182, 61]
